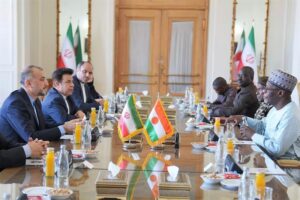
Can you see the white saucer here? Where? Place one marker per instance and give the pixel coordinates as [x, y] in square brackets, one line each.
[231, 184]
[211, 148]
[32, 191]
[208, 179]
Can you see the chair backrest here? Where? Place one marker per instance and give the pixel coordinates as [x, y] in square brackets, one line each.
[166, 100]
[146, 101]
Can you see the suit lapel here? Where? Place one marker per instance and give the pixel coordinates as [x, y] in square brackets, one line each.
[29, 106]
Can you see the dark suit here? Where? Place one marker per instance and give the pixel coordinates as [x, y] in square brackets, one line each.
[93, 91]
[55, 109]
[77, 97]
[18, 120]
[245, 103]
[10, 156]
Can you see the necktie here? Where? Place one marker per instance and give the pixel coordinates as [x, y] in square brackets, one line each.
[39, 114]
[83, 92]
[67, 104]
[35, 111]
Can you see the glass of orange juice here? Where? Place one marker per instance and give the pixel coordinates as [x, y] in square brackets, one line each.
[230, 146]
[77, 134]
[260, 183]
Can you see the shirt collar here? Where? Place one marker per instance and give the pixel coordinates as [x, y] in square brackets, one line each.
[32, 100]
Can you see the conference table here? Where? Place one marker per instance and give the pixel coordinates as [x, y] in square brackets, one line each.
[135, 171]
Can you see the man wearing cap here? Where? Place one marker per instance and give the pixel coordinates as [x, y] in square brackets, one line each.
[279, 132]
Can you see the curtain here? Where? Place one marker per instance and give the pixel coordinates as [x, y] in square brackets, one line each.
[180, 60]
[139, 48]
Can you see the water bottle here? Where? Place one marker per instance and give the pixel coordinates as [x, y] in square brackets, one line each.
[126, 93]
[87, 136]
[192, 101]
[244, 188]
[199, 116]
[112, 105]
[100, 117]
[186, 94]
[219, 155]
[63, 162]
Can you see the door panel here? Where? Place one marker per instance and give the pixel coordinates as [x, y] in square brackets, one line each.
[138, 49]
[182, 47]
[161, 51]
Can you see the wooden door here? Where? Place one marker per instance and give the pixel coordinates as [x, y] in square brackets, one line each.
[183, 62]
[149, 55]
[132, 71]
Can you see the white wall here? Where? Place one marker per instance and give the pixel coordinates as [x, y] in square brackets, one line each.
[103, 23]
[8, 47]
[219, 43]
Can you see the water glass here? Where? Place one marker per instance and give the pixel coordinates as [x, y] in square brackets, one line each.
[268, 193]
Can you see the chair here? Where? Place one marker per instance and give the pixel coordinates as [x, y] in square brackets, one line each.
[146, 101]
[143, 113]
[166, 101]
[171, 113]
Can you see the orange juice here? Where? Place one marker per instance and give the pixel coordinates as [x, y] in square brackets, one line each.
[93, 117]
[50, 162]
[49, 181]
[205, 110]
[77, 134]
[230, 146]
[260, 183]
[105, 105]
[217, 125]
[120, 90]
[77, 146]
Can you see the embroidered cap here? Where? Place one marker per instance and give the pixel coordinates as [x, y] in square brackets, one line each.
[283, 80]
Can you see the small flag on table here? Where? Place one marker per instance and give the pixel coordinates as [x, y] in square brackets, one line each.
[157, 127]
[130, 123]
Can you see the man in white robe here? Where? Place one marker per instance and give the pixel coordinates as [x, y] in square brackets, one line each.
[279, 132]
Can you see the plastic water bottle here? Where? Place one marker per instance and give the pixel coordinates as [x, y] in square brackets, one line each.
[244, 188]
[199, 116]
[100, 117]
[219, 155]
[86, 136]
[63, 162]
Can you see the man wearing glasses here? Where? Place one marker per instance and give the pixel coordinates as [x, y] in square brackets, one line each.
[279, 132]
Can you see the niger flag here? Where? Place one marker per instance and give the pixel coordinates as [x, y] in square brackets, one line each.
[157, 127]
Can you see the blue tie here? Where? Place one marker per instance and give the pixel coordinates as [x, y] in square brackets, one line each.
[35, 111]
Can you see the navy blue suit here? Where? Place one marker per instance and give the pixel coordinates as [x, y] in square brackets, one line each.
[55, 109]
[10, 156]
[18, 120]
[93, 91]
[77, 97]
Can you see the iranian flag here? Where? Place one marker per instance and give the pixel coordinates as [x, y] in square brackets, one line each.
[248, 55]
[152, 169]
[157, 127]
[238, 64]
[130, 123]
[77, 46]
[67, 54]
